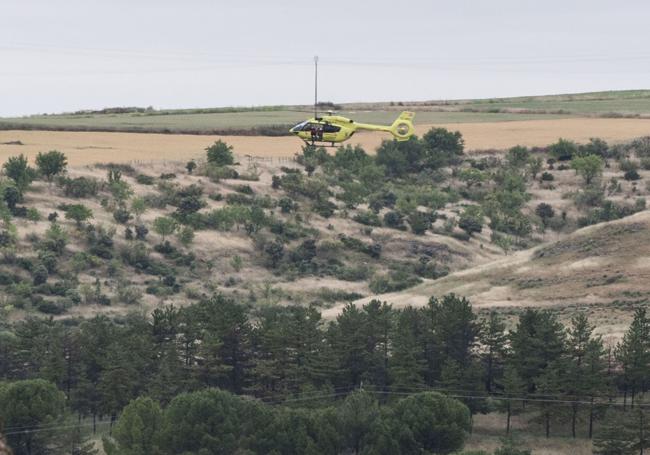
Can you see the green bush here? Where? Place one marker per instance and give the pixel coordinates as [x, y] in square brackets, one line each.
[420, 221]
[394, 220]
[80, 187]
[393, 282]
[220, 154]
[368, 218]
[631, 175]
[563, 150]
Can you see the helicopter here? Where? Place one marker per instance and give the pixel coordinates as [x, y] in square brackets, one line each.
[335, 129]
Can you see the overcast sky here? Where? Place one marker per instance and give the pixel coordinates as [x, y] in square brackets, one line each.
[64, 55]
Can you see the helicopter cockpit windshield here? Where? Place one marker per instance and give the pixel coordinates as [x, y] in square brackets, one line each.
[299, 127]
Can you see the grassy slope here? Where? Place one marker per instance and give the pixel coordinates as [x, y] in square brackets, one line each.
[455, 111]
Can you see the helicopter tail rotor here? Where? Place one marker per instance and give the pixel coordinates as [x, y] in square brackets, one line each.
[403, 128]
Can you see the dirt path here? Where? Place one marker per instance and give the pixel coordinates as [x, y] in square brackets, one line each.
[90, 147]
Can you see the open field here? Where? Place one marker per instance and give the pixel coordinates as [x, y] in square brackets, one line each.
[273, 120]
[90, 147]
[239, 122]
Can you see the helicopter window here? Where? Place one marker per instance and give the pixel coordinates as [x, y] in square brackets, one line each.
[309, 126]
[331, 129]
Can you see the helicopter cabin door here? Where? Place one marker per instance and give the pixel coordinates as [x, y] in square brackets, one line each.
[330, 132]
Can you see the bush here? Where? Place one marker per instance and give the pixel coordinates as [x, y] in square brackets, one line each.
[51, 163]
[78, 212]
[632, 174]
[141, 232]
[563, 150]
[144, 179]
[287, 205]
[420, 221]
[244, 189]
[394, 220]
[167, 176]
[80, 187]
[471, 220]
[48, 307]
[122, 215]
[368, 218]
[547, 177]
[39, 274]
[393, 282]
[220, 154]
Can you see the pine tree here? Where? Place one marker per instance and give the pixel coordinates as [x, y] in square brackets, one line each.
[407, 360]
[494, 342]
[633, 353]
[537, 340]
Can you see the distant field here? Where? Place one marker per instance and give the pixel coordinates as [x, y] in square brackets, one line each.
[92, 147]
[238, 122]
[275, 120]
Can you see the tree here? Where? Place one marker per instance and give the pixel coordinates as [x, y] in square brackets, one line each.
[138, 206]
[494, 341]
[518, 156]
[190, 166]
[545, 212]
[356, 416]
[633, 352]
[18, 170]
[51, 164]
[430, 422]
[626, 433]
[220, 154]
[535, 166]
[442, 147]
[471, 220]
[563, 150]
[537, 340]
[28, 405]
[275, 252]
[138, 430]
[78, 212]
[186, 235]
[420, 221]
[164, 226]
[588, 167]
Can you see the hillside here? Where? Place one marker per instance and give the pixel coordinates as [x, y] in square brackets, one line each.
[328, 229]
[603, 269]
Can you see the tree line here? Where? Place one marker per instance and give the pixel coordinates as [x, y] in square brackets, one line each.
[559, 375]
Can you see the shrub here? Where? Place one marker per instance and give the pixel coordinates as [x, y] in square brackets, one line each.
[122, 215]
[33, 214]
[394, 220]
[629, 165]
[39, 274]
[563, 150]
[141, 232]
[420, 221]
[588, 167]
[220, 154]
[18, 170]
[373, 250]
[368, 218]
[80, 187]
[632, 174]
[287, 205]
[164, 226]
[190, 166]
[547, 177]
[48, 307]
[393, 282]
[471, 220]
[144, 179]
[518, 156]
[167, 176]
[185, 235]
[244, 189]
[100, 241]
[51, 163]
[78, 212]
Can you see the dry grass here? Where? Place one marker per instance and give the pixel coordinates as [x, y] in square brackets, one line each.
[91, 147]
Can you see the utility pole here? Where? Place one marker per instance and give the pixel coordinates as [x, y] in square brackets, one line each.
[316, 86]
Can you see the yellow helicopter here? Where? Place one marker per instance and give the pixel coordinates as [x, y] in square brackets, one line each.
[334, 129]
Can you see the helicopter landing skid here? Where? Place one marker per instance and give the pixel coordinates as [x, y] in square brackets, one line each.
[314, 144]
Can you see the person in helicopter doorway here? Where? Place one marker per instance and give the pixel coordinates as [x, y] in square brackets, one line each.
[314, 132]
[319, 132]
